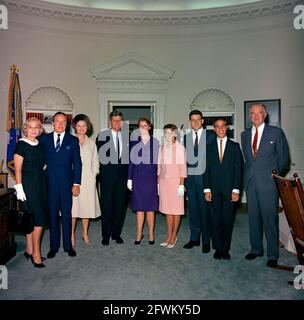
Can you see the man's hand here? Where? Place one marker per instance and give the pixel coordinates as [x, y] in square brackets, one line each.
[235, 197]
[208, 196]
[75, 190]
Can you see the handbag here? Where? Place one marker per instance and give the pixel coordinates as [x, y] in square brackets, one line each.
[20, 220]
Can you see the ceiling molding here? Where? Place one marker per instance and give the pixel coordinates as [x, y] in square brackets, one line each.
[117, 17]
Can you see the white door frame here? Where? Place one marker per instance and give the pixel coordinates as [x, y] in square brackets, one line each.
[132, 78]
[107, 100]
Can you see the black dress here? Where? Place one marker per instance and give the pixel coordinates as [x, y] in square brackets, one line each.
[33, 181]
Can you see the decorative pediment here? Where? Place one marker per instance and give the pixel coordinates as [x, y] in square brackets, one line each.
[132, 66]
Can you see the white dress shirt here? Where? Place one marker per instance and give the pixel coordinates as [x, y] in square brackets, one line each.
[224, 142]
[260, 132]
[114, 135]
[199, 133]
[55, 136]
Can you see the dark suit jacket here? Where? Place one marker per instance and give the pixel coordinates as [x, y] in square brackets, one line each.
[206, 138]
[107, 154]
[272, 154]
[226, 176]
[63, 167]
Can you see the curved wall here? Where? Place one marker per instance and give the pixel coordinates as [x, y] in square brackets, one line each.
[251, 56]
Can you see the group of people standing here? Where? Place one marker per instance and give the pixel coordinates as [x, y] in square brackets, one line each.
[57, 172]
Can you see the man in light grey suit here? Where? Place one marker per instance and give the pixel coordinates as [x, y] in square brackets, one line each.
[265, 149]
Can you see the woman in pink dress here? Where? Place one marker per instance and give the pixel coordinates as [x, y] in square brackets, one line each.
[172, 171]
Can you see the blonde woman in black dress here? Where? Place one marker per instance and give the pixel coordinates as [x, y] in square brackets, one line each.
[31, 185]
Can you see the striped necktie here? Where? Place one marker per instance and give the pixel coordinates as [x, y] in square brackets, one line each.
[57, 143]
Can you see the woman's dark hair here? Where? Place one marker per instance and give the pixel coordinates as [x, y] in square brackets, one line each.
[86, 119]
[172, 127]
[144, 119]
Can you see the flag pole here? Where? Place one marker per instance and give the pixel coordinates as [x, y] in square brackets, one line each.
[14, 118]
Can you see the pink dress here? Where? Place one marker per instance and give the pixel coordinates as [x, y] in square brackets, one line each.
[171, 166]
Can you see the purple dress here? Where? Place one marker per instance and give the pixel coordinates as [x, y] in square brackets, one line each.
[143, 173]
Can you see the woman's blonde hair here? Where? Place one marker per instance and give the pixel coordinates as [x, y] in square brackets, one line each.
[30, 120]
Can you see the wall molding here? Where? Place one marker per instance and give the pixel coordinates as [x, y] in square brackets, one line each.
[132, 78]
[117, 17]
[146, 69]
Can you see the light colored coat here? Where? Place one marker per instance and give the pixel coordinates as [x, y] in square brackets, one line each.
[86, 205]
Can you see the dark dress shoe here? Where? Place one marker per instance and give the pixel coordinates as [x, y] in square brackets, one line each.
[72, 253]
[137, 242]
[191, 244]
[51, 254]
[272, 263]
[226, 256]
[206, 248]
[105, 242]
[151, 242]
[39, 265]
[28, 256]
[119, 240]
[217, 255]
[252, 256]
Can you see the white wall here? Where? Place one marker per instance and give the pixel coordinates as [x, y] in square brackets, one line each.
[255, 59]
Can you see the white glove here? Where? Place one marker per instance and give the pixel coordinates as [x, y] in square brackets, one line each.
[129, 184]
[20, 192]
[181, 190]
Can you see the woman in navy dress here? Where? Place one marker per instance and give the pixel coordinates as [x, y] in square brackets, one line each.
[142, 177]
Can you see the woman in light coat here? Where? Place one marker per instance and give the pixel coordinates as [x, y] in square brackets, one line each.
[86, 205]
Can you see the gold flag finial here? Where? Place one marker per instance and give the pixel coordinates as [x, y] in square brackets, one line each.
[14, 68]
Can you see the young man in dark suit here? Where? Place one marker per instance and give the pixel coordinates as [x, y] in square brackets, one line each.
[222, 184]
[265, 149]
[195, 143]
[62, 154]
[113, 152]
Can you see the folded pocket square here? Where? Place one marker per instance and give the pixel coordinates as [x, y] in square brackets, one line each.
[271, 141]
[68, 147]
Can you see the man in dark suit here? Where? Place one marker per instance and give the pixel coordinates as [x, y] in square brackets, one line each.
[265, 149]
[63, 171]
[195, 143]
[113, 151]
[222, 183]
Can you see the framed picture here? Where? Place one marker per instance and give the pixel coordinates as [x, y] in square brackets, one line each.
[48, 119]
[273, 108]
